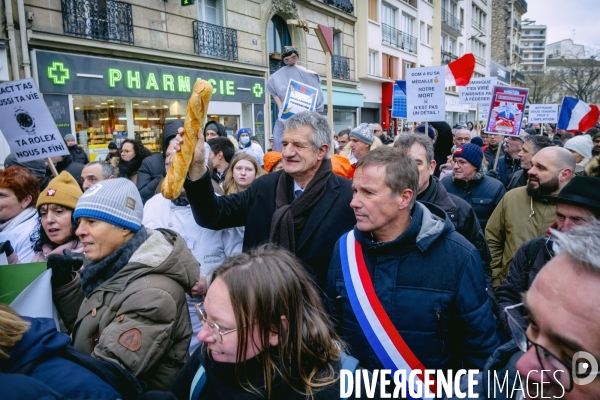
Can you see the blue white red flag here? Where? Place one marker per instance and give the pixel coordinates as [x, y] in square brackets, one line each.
[575, 115]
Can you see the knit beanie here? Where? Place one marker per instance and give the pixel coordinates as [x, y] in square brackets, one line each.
[271, 158]
[363, 132]
[62, 190]
[243, 130]
[581, 144]
[478, 141]
[430, 131]
[69, 136]
[116, 201]
[470, 152]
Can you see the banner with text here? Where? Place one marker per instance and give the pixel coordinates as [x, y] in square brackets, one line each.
[506, 110]
[425, 94]
[27, 124]
[478, 91]
[299, 97]
[543, 113]
[484, 112]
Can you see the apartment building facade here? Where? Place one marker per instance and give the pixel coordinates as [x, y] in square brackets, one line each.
[506, 36]
[565, 48]
[533, 44]
[394, 35]
[121, 69]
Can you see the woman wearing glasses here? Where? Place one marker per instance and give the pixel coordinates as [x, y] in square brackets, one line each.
[265, 334]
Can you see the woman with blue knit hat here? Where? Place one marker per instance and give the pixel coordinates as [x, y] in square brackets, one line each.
[127, 304]
[247, 146]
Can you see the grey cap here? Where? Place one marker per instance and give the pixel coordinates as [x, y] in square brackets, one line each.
[69, 136]
[363, 132]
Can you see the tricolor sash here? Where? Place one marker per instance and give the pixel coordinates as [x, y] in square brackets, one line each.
[383, 337]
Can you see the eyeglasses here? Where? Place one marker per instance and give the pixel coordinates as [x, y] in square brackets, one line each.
[216, 330]
[459, 161]
[554, 368]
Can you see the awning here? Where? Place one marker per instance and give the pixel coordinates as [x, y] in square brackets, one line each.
[344, 97]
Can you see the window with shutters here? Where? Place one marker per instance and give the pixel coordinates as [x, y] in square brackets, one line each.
[389, 66]
[373, 10]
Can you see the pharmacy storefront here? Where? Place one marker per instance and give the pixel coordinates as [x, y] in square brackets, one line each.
[103, 99]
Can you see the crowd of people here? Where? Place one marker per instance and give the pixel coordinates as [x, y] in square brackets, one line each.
[273, 271]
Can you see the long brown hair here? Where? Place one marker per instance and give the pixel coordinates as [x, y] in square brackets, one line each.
[264, 285]
[229, 185]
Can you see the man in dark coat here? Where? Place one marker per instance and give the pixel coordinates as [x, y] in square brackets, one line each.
[152, 169]
[66, 163]
[578, 203]
[76, 152]
[470, 183]
[460, 212]
[426, 277]
[304, 208]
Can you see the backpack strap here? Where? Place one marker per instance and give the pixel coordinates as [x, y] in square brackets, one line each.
[531, 251]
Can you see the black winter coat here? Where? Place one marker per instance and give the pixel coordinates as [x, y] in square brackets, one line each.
[253, 208]
[481, 192]
[519, 279]
[72, 167]
[151, 172]
[78, 155]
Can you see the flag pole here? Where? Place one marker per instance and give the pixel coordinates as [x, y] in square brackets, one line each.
[52, 167]
[498, 154]
[477, 118]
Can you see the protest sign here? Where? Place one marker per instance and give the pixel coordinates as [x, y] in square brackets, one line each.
[543, 113]
[16, 277]
[478, 91]
[299, 97]
[27, 124]
[484, 111]
[425, 94]
[506, 110]
[399, 100]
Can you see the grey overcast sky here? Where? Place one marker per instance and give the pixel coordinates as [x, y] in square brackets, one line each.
[562, 17]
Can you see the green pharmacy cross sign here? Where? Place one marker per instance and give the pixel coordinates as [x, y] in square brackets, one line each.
[58, 73]
[257, 90]
[187, 2]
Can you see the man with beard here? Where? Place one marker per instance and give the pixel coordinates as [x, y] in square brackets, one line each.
[523, 213]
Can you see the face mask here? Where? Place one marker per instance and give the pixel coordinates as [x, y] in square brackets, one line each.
[245, 140]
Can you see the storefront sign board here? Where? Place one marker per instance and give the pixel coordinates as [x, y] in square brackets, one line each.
[543, 113]
[425, 94]
[27, 123]
[74, 74]
[506, 110]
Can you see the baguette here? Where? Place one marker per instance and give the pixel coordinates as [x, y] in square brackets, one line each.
[195, 117]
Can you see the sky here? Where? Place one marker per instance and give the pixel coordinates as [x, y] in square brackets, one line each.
[562, 16]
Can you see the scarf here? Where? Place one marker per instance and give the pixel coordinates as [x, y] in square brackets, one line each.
[95, 273]
[128, 168]
[289, 218]
[16, 221]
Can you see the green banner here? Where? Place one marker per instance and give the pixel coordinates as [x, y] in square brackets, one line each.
[15, 278]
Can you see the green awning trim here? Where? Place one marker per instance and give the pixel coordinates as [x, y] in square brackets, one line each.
[344, 97]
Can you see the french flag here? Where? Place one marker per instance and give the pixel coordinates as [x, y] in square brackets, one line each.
[460, 71]
[575, 115]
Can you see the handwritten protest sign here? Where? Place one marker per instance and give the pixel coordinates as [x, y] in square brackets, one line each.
[543, 113]
[27, 124]
[299, 97]
[478, 91]
[484, 112]
[506, 110]
[425, 94]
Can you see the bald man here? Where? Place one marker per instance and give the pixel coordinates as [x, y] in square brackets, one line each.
[524, 212]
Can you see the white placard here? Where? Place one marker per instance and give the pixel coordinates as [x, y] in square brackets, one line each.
[543, 113]
[484, 112]
[27, 124]
[425, 94]
[478, 91]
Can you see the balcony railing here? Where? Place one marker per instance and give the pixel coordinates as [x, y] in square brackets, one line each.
[98, 19]
[542, 48]
[413, 2]
[480, 60]
[523, 4]
[538, 36]
[343, 5]
[516, 49]
[398, 38]
[340, 67]
[519, 77]
[451, 20]
[275, 64]
[215, 41]
[478, 25]
[448, 57]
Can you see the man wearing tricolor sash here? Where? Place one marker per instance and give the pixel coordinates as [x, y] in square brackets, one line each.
[406, 290]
